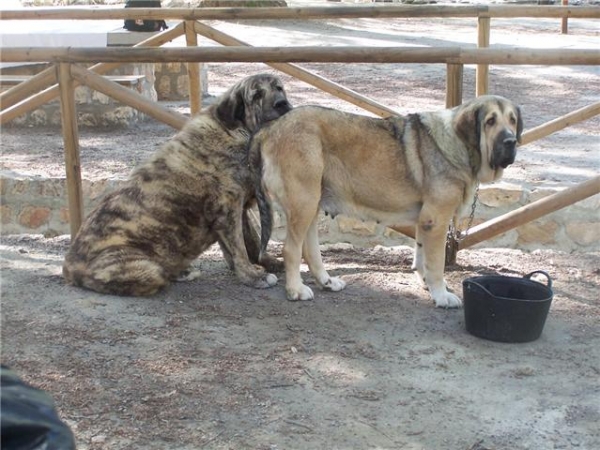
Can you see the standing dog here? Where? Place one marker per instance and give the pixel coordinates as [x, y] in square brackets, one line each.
[192, 193]
[420, 169]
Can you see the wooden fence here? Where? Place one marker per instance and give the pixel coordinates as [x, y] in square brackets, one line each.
[61, 79]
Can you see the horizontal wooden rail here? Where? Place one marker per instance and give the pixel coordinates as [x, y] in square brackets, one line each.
[297, 13]
[530, 212]
[358, 54]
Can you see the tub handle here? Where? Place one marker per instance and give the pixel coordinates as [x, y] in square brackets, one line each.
[548, 279]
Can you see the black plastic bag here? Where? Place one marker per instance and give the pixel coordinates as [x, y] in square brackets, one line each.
[29, 420]
[144, 24]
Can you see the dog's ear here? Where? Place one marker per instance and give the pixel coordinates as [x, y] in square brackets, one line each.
[519, 124]
[467, 124]
[231, 109]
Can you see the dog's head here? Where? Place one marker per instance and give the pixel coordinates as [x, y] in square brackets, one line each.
[490, 126]
[252, 102]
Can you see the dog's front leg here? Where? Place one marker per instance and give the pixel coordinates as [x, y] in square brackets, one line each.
[431, 234]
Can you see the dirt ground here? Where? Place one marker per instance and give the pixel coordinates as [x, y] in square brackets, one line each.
[212, 364]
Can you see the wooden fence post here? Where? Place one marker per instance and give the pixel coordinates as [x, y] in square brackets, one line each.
[483, 70]
[454, 83]
[454, 94]
[71, 140]
[194, 81]
[565, 20]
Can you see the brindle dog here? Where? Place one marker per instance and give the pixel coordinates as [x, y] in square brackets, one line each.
[193, 192]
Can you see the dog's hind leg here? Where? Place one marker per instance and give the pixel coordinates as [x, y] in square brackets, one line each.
[299, 218]
[119, 274]
[252, 240]
[231, 239]
[312, 256]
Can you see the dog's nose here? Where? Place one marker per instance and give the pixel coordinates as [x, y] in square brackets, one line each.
[508, 156]
[510, 142]
[282, 104]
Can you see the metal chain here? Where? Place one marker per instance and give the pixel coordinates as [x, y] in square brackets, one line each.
[454, 232]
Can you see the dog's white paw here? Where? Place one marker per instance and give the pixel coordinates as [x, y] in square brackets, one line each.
[447, 300]
[271, 279]
[189, 275]
[334, 284]
[264, 282]
[303, 293]
[420, 278]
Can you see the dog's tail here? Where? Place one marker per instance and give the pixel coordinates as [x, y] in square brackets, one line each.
[264, 204]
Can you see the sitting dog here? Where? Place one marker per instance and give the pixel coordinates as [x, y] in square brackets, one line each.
[418, 170]
[193, 192]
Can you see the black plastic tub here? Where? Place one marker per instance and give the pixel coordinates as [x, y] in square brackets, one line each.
[506, 309]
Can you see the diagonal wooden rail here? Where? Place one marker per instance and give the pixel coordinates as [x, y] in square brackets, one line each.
[128, 97]
[302, 74]
[530, 212]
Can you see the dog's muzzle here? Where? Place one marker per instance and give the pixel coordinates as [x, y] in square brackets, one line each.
[505, 150]
[282, 106]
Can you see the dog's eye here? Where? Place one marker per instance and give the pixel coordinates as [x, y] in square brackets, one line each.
[513, 121]
[257, 95]
[491, 121]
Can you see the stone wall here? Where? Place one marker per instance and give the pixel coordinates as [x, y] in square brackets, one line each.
[172, 81]
[39, 206]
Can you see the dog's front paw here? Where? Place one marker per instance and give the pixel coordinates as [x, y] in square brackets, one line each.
[447, 300]
[303, 293]
[334, 284]
[189, 274]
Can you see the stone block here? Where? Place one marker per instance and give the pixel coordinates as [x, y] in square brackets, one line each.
[539, 194]
[537, 232]
[63, 215]
[358, 227]
[83, 95]
[20, 187]
[592, 203]
[163, 87]
[584, 233]
[392, 234]
[4, 186]
[51, 188]
[500, 195]
[174, 67]
[99, 97]
[6, 214]
[183, 85]
[33, 217]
